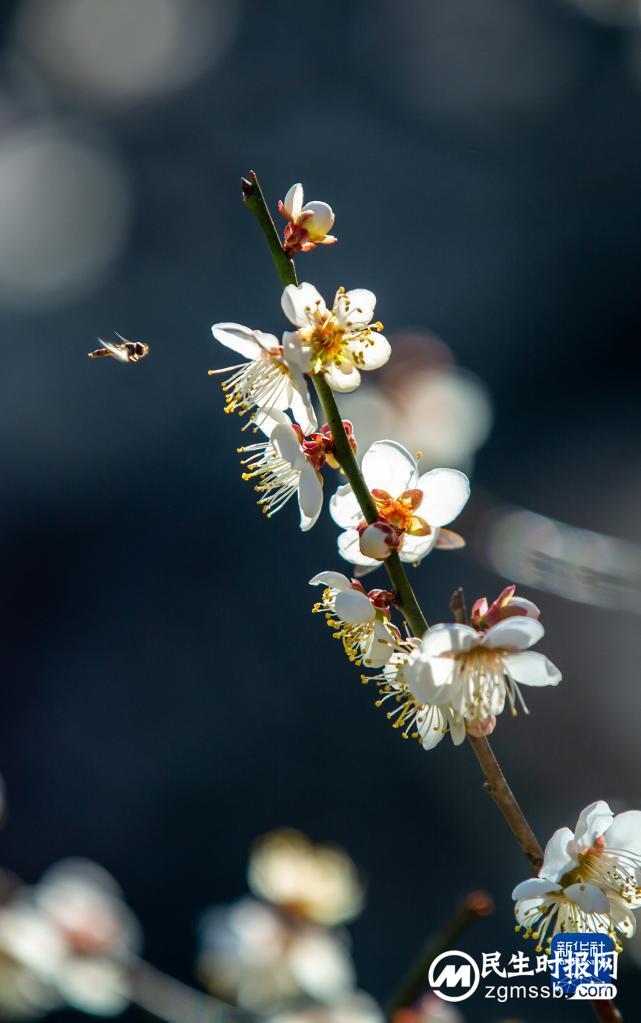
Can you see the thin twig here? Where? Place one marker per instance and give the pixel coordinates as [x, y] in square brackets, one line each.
[174, 1002]
[476, 904]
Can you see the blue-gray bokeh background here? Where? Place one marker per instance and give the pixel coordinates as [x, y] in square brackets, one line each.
[167, 693]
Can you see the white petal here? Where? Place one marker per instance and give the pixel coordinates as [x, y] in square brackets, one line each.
[458, 731]
[342, 376]
[287, 445]
[530, 609]
[93, 985]
[355, 307]
[389, 466]
[336, 580]
[445, 494]
[310, 496]
[301, 403]
[432, 681]
[625, 832]
[297, 353]
[526, 910]
[322, 220]
[415, 548]
[371, 353]
[558, 858]
[299, 302]
[349, 548]
[531, 669]
[344, 508]
[593, 822]
[431, 724]
[240, 339]
[514, 634]
[534, 888]
[354, 607]
[621, 917]
[446, 639]
[293, 201]
[268, 421]
[380, 647]
[588, 897]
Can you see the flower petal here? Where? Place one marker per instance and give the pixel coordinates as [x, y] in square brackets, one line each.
[310, 496]
[445, 494]
[371, 352]
[389, 466]
[587, 897]
[593, 822]
[526, 911]
[344, 508]
[355, 308]
[335, 580]
[558, 857]
[342, 376]
[534, 888]
[293, 201]
[299, 302]
[240, 339]
[349, 548]
[297, 352]
[447, 638]
[431, 724]
[267, 421]
[415, 548]
[322, 219]
[621, 917]
[625, 832]
[354, 607]
[529, 668]
[287, 445]
[514, 634]
[380, 647]
[301, 403]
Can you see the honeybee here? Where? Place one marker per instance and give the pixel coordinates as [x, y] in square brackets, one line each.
[128, 351]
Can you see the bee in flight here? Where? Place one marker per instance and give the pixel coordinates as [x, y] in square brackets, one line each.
[128, 351]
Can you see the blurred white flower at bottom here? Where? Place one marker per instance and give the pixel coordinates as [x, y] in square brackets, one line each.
[357, 1007]
[67, 941]
[262, 958]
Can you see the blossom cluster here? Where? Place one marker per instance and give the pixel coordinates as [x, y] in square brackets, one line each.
[453, 677]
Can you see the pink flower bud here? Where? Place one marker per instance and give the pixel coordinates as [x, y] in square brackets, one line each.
[480, 729]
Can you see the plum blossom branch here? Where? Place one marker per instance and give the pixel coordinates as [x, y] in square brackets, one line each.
[174, 1002]
[495, 781]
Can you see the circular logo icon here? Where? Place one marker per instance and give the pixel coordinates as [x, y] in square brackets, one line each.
[454, 976]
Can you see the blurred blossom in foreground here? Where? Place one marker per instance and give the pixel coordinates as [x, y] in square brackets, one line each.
[261, 959]
[429, 1009]
[428, 404]
[67, 941]
[266, 955]
[555, 557]
[356, 1007]
[317, 882]
[65, 209]
[121, 53]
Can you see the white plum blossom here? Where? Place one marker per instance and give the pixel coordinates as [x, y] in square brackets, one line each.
[70, 940]
[337, 342]
[408, 710]
[361, 619]
[400, 494]
[262, 959]
[308, 225]
[283, 468]
[475, 671]
[589, 881]
[316, 882]
[264, 380]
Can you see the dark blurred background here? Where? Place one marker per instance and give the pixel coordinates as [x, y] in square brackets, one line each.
[168, 695]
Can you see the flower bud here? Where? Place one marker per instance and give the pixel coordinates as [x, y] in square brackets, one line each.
[378, 540]
[480, 729]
